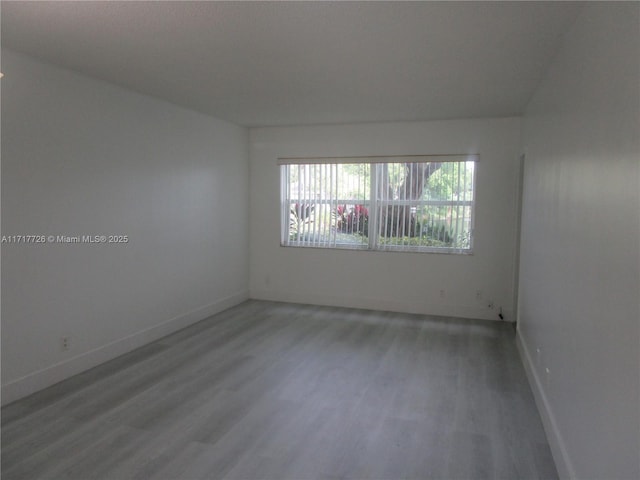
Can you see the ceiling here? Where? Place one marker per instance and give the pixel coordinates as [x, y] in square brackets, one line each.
[293, 63]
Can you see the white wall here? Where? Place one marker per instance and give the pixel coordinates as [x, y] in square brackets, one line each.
[408, 282]
[80, 156]
[580, 251]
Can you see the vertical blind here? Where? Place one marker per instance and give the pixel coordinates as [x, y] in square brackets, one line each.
[411, 203]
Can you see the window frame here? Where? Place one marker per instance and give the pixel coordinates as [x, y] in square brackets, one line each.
[374, 202]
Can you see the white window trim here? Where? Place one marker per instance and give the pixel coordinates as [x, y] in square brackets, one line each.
[373, 240]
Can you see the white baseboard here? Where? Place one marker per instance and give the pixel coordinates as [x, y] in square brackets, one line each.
[558, 449]
[444, 310]
[46, 377]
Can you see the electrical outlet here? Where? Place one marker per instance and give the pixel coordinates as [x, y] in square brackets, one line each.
[65, 343]
[442, 293]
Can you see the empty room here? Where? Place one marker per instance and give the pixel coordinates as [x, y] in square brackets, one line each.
[320, 240]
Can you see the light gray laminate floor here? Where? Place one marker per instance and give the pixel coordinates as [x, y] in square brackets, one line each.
[280, 391]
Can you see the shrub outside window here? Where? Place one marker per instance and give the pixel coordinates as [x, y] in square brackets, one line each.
[409, 203]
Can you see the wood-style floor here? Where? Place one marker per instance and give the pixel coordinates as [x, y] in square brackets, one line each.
[280, 391]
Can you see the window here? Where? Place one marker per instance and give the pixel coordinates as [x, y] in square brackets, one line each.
[416, 203]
